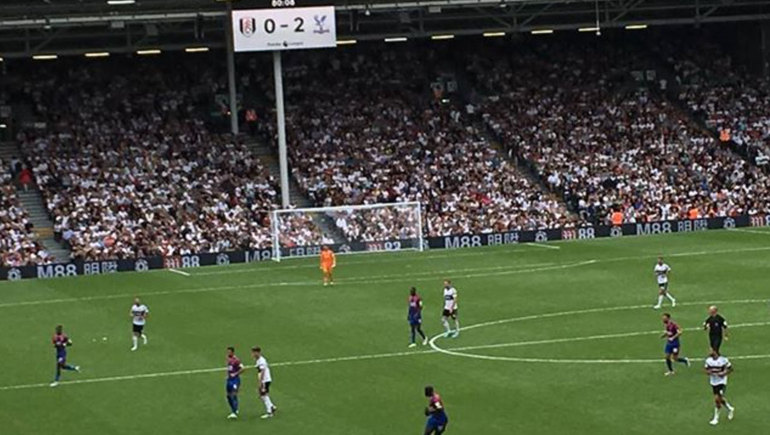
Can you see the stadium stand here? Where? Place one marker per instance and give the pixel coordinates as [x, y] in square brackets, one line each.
[128, 168]
[609, 147]
[731, 100]
[18, 244]
[377, 137]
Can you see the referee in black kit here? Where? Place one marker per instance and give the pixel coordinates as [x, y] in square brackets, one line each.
[716, 325]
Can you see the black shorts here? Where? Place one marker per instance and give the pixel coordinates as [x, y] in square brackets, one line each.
[715, 341]
[138, 328]
[265, 389]
[663, 287]
[719, 389]
[450, 313]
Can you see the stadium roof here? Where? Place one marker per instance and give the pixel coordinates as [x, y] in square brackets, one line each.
[29, 27]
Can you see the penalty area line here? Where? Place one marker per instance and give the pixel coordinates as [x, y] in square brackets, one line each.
[541, 245]
[383, 279]
[179, 272]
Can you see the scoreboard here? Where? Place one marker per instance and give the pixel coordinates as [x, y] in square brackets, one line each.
[284, 29]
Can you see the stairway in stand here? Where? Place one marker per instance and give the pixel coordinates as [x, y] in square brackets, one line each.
[32, 202]
[8, 151]
[269, 158]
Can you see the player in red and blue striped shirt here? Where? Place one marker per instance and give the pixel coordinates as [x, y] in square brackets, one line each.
[437, 418]
[233, 384]
[672, 334]
[415, 317]
[60, 342]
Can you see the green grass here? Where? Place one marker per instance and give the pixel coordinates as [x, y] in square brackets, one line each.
[281, 307]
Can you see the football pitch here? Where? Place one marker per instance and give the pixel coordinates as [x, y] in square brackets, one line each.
[558, 338]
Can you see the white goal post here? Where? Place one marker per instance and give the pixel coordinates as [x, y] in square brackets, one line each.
[301, 232]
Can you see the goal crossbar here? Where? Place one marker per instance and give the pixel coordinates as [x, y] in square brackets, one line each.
[415, 204]
[300, 232]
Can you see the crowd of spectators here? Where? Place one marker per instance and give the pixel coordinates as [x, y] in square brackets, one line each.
[380, 136]
[609, 147]
[128, 168]
[378, 224]
[733, 101]
[18, 242]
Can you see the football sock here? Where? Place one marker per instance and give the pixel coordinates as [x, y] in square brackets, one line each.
[660, 300]
[230, 403]
[268, 404]
[671, 298]
[68, 367]
[144, 338]
[58, 373]
[457, 325]
[134, 340]
[668, 364]
[716, 413]
[422, 334]
[728, 406]
[446, 324]
[234, 404]
[412, 341]
[682, 360]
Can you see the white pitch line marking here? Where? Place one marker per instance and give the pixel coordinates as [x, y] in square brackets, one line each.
[179, 272]
[217, 369]
[158, 293]
[689, 254]
[458, 351]
[589, 338]
[435, 349]
[541, 245]
[582, 361]
[418, 276]
[743, 230]
[511, 268]
[425, 256]
[314, 283]
[344, 261]
[478, 269]
[637, 257]
[606, 309]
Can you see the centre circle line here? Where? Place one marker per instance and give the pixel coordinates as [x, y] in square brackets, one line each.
[460, 351]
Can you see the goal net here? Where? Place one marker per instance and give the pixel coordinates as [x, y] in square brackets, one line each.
[301, 232]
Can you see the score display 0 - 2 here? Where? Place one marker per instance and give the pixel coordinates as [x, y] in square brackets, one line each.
[284, 29]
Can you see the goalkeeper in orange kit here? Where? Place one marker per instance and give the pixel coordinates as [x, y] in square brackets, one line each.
[328, 263]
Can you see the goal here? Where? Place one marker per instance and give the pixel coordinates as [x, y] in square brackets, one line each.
[301, 232]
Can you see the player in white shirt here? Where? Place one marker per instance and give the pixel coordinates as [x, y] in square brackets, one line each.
[265, 379]
[139, 313]
[717, 368]
[661, 273]
[450, 309]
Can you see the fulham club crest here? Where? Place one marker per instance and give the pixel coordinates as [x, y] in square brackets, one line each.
[248, 26]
